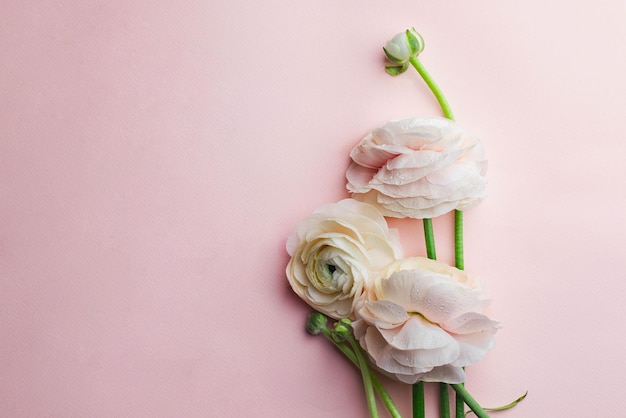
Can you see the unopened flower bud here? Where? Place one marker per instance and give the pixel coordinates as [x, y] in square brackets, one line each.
[315, 323]
[401, 48]
[342, 330]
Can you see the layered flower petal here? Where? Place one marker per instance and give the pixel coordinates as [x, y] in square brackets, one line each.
[418, 168]
[416, 334]
[335, 254]
[423, 321]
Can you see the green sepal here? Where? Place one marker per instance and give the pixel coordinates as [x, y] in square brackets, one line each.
[391, 57]
[395, 70]
[416, 43]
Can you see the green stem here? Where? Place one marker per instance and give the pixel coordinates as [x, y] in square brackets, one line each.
[459, 257]
[444, 401]
[447, 111]
[367, 379]
[458, 215]
[418, 388]
[469, 401]
[459, 405]
[419, 405]
[378, 386]
[459, 261]
[430, 238]
[384, 396]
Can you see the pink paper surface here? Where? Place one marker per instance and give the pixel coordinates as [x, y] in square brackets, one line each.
[154, 157]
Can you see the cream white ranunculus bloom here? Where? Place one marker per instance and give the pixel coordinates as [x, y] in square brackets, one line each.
[418, 168]
[336, 253]
[424, 321]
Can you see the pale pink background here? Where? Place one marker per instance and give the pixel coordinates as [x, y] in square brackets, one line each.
[154, 156]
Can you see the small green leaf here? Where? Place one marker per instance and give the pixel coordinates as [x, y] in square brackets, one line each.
[504, 407]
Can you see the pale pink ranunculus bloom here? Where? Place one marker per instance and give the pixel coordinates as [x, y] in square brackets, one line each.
[336, 253]
[424, 321]
[418, 168]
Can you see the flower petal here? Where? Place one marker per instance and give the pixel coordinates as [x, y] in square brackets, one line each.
[474, 347]
[383, 313]
[335, 252]
[420, 168]
[416, 333]
[444, 374]
[471, 322]
[444, 301]
[407, 288]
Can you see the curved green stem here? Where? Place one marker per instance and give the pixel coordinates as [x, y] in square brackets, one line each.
[367, 378]
[458, 215]
[469, 401]
[447, 111]
[418, 388]
[378, 386]
[384, 396]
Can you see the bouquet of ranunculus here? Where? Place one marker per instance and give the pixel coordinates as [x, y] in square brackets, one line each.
[414, 319]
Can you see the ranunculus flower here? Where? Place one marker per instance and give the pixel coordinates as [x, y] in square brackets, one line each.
[424, 321]
[336, 252]
[418, 168]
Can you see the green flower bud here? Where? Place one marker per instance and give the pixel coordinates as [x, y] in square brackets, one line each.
[315, 323]
[343, 329]
[401, 48]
